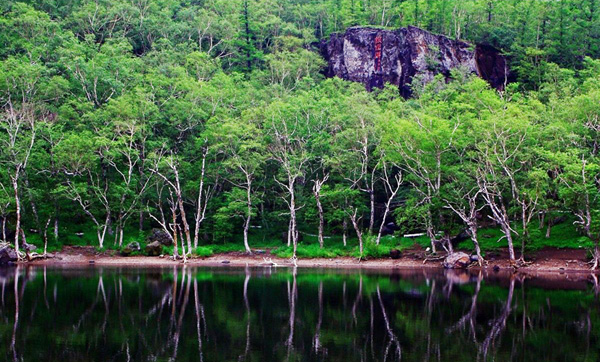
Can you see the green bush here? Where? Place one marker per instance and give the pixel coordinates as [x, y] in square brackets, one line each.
[203, 251]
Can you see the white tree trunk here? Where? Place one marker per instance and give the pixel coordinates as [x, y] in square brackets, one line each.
[17, 210]
[248, 215]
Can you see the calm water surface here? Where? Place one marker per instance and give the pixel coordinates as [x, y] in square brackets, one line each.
[226, 314]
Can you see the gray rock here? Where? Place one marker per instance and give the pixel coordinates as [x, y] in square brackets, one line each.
[130, 248]
[395, 254]
[7, 254]
[154, 248]
[161, 236]
[457, 260]
[28, 247]
[376, 56]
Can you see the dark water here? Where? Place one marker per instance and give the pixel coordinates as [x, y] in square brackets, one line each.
[199, 314]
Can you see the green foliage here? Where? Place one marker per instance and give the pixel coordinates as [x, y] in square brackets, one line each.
[117, 115]
[203, 251]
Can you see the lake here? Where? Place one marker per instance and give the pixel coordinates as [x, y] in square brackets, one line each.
[270, 314]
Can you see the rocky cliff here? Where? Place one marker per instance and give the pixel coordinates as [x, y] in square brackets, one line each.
[375, 57]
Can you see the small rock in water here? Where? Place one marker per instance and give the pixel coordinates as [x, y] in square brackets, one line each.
[496, 268]
[225, 262]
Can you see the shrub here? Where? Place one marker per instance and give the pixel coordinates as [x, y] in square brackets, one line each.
[204, 251]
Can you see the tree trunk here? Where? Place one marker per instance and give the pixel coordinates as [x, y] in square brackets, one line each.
[248, 217]
[186, 226]
[430, 232]
[17, 210]
[56, 213]
[32, 204]
[294, 227]
[141, 220]
[387, 208]
[174, 218]
[511, 249]
[345, 231]
[321, 217]
[473, 232]
[102, 231]
[200, 209]
[4, 228]
[289, 233]
[358, 233]
[372, 211]
[46, 236]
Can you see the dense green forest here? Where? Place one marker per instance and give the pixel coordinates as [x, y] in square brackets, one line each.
[212, 120]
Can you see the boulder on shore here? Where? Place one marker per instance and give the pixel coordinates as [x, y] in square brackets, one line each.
[160, 236]
[27, 248]
[458, 260]
[7, 254]
[395, 254]
[154, 248]
[131, 248]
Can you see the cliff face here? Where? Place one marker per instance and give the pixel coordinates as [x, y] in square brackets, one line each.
[375, 57]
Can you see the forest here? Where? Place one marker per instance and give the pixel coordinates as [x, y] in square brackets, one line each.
[212, 121]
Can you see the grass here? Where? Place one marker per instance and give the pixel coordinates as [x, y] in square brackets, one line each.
[563, 236]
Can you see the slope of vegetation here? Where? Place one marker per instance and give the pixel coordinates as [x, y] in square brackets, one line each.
[212, 121]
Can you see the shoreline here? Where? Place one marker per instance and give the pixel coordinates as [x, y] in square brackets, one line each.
[550, 261]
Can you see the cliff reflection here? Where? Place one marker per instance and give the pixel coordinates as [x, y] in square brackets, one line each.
[292, 314]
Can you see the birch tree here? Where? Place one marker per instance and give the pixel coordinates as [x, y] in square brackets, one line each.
[289, 130]
[19, 125]
[241, 145]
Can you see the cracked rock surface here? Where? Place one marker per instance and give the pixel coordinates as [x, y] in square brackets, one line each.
[375, 56]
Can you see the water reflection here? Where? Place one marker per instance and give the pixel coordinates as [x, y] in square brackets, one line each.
[186, 313]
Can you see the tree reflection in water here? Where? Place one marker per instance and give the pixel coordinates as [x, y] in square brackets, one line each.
[185, 313]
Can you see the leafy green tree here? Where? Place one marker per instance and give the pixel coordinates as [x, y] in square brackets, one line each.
[242, 147]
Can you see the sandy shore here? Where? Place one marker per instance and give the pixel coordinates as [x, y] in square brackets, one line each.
[553, 261]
